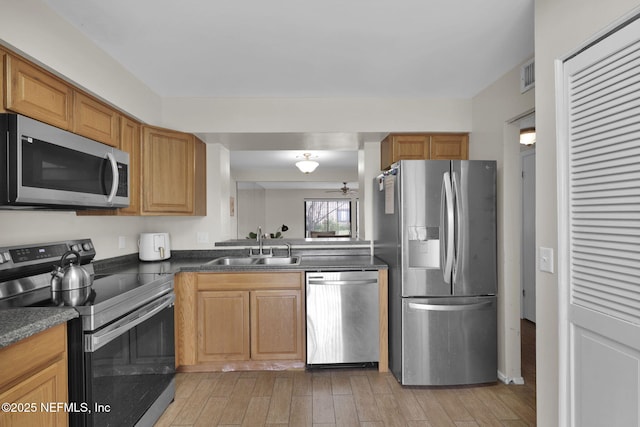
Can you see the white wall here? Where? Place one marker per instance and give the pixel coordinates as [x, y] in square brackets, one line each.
[370, 168]
[560, 27]
[316, 115]
[251, 210]
[494, 138]
[45, 37]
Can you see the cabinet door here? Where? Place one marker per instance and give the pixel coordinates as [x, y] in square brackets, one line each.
[403, 147]
[130, 135]
[3, 54]
[37, 94]
[168, 163]
[48, 385]
[223, 326]
[449, 147]
[95, 120]
[200, 186]
[276, 325]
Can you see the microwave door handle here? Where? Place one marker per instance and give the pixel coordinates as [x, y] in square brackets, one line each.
[116, 177]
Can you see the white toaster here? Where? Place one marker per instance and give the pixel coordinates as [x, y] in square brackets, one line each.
[154, 246]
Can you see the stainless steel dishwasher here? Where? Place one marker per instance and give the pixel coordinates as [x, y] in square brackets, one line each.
[342, 317]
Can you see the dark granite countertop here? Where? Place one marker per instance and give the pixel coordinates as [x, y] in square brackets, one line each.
[316, 259]
[19, 323]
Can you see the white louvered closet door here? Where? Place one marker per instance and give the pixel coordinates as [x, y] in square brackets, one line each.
[599, 225]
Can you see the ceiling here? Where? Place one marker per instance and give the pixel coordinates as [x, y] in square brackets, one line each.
[293, 48]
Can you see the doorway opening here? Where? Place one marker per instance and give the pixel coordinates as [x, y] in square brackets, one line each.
[528, 251]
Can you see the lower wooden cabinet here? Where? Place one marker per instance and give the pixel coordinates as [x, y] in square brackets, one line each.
[223, 326]
[250, 319]
[34, 372]
[276, 324]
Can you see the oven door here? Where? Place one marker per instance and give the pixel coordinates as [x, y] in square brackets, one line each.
[130, 367]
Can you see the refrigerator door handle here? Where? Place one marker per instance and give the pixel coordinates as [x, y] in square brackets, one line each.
[458, 215]
[446, 223]
[450, 307]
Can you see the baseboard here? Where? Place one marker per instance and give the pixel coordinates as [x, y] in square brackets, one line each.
[509, 380]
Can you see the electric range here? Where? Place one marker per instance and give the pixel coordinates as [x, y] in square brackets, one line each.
[121, 348]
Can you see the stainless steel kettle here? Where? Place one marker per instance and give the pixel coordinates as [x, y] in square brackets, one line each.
[70, 285]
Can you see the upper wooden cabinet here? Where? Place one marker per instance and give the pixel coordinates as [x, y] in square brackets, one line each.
[172, 173]
[130, 141]
[38, 94]
[450, 146]
[167, 170]
[95, 120]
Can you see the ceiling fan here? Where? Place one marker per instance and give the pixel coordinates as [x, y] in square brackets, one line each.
[346, 191]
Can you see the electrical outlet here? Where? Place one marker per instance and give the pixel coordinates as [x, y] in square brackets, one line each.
[546, 259]
[122, 242]
[202, 237]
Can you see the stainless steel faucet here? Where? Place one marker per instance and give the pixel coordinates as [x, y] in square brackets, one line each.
[259, 239]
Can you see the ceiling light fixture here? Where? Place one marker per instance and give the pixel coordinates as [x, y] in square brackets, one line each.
[307, 165]
[528, 136]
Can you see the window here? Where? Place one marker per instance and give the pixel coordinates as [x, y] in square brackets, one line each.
[326, 218]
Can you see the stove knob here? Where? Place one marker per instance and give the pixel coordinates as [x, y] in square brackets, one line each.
[75, 248]
[87, 246]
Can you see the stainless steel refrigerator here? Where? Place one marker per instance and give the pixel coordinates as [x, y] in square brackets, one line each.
[435, 226]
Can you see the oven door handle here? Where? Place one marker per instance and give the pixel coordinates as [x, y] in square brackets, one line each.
[93, 342]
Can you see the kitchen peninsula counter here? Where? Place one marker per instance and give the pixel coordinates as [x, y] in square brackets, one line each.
[315, 255]
[320, 254]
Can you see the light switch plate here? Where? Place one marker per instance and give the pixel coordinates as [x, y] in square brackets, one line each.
[122, 242]
[546, 259]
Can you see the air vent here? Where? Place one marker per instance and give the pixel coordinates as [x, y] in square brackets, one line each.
[527, 76]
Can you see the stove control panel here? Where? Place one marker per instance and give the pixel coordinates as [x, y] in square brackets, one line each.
[42, 256]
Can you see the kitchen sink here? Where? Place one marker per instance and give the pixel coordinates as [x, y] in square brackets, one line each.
[248, 261]
[278, 260]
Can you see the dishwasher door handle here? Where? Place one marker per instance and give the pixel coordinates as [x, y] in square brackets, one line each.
[311, 281]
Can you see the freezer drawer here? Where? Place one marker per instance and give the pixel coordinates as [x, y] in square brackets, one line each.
[448, 341]
[342, 317]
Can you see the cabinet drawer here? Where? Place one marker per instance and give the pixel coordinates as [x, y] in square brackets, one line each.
[249, 281]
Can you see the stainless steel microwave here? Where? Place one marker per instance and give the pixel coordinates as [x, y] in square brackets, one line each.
[47, 167]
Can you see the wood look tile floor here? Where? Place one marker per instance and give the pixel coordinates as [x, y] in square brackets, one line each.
[349, 397]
